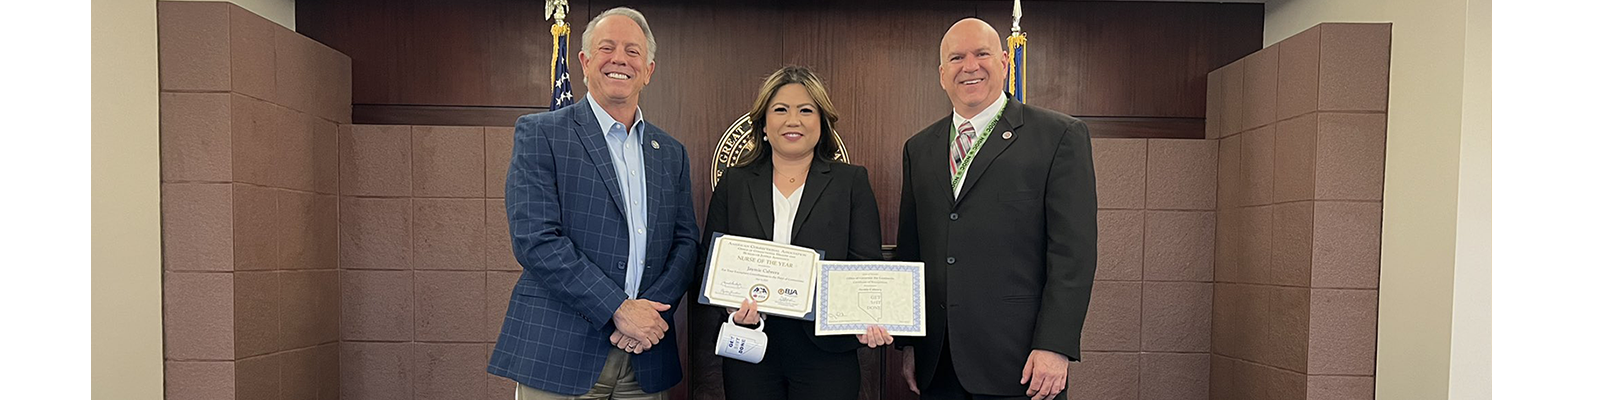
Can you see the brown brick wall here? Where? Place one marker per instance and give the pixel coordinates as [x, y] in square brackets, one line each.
[1301, 126]
[249, 122]
[1147, 335]
[425, 258]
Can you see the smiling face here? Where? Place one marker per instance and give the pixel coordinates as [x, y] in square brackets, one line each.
[793, 122]
[972, 66]
[617, 67]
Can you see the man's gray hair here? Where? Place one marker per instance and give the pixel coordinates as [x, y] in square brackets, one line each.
[649, 37]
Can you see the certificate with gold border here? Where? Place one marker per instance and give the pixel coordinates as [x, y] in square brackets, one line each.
[779, 277]
[854, 295]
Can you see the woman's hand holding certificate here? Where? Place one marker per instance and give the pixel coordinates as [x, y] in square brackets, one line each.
[875, 336]
[748, 313]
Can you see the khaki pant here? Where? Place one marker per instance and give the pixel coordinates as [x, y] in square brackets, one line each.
[616, 382]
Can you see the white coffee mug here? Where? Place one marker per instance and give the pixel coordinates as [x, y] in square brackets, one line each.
[741, 343]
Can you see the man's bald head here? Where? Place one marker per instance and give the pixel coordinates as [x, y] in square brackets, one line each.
[972, 66]
[968, 28]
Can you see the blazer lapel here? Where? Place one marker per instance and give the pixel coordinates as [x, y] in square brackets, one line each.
[1007, 122]
[594, 140]
[938, 151]
[816, 182]
[654, 173]
[760, 190]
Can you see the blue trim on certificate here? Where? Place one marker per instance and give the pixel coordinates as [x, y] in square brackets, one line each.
[916, 295]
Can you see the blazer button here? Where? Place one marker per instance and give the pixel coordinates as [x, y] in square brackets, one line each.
[954, 216]
[941, 307]
[622, 265]
[950, 260]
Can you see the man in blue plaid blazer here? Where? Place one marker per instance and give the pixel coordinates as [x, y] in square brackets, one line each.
[602, 221]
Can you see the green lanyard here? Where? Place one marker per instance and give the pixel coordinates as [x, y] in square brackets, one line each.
[966, 160]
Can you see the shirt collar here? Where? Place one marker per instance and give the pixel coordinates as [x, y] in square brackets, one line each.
[605, 119]
[981, 121]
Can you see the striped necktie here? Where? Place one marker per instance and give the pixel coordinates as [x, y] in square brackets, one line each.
[963, 143]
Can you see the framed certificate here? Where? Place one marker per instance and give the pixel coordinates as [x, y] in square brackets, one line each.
[852, 295]
[779, 277]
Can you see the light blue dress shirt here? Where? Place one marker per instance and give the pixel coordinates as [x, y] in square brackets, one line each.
[627, 155]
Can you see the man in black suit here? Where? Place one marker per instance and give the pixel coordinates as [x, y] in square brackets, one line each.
[999, 202]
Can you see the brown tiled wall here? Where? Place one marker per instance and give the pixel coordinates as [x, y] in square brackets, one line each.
[249, 123]
[425, 260]
[1300, 128]
[1147, 333]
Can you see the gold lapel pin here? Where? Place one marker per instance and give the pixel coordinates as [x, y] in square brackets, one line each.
[655, 145]
[1006, 136]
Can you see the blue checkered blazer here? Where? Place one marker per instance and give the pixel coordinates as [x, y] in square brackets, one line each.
[569, 233]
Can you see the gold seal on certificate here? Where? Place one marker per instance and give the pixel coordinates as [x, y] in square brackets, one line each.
[853, 295]
[777, 276]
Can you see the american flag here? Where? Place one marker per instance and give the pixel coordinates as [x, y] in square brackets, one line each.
[560, 82]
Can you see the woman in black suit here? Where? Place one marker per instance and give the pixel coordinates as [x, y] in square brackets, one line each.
[791, 191]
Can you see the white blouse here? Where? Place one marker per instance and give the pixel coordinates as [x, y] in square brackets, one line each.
[783, 210]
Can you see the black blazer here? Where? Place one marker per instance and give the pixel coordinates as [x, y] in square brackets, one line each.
[837, 214]
[1010, 261]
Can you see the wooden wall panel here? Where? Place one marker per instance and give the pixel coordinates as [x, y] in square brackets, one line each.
[441, 52]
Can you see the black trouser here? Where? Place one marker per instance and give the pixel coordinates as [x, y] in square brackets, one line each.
[794, 368]
[946, 386]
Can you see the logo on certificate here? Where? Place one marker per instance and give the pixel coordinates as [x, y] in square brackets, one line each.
[759, 293]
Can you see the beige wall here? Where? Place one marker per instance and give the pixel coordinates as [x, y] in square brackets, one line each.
[280, 11]
[1422, 185]
[126, 232]
[1470, 334]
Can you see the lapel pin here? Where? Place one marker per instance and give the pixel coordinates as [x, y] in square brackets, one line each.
[655, 145]
[1006, 136]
